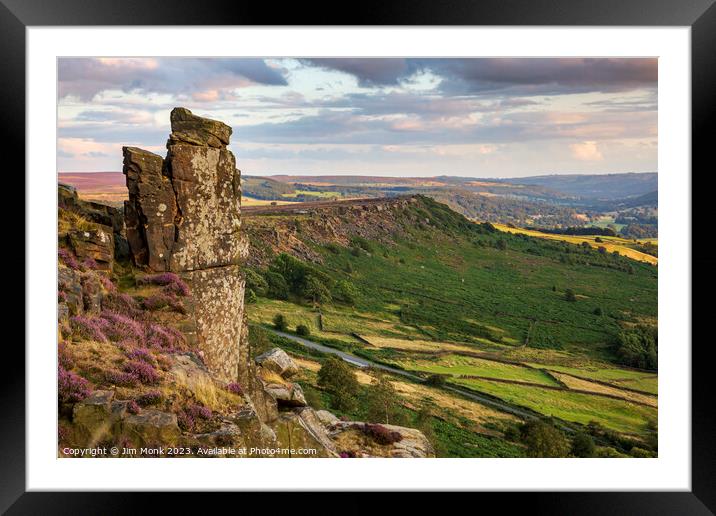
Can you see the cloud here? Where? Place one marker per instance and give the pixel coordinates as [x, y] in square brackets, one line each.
[194, 77]
[449, 114]
[369, 72]
[586, 151]
[534, 76]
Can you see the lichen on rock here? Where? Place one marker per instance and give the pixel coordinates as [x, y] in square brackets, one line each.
[184, 216]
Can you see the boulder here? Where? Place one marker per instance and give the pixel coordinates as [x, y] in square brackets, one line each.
[227, 435]
[287, 394]
[278, 361]
[93, 416]
[67, 196]
[96, 244]
[264, 404]
[151, 427]
[349, 436]
[300, 429]
[191, 129]
[326, 418]
[186, 369]
[69, 281]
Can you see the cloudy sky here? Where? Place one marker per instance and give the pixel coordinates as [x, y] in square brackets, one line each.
[414, 117]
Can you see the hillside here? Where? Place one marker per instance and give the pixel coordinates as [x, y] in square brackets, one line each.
[594, 186]
[409, 283]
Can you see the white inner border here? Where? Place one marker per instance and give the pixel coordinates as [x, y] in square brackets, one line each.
[671, 471]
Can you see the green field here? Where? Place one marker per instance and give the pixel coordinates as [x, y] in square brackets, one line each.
[618, 415]
[459, 365]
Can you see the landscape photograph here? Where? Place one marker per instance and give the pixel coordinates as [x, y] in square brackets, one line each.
[357, 257]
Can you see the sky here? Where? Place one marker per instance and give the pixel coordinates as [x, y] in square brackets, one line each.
[483, 117]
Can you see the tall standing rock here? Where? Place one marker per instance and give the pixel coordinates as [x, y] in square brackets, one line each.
[183, 216]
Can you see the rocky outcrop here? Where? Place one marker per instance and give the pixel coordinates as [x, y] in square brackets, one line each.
[183, 216]
[109, 220]
[151, 427]
[94, 244]
[301, 429]
[351, 438]
[278, 361]
[275, 368]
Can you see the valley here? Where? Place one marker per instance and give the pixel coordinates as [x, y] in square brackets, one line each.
[465, 308]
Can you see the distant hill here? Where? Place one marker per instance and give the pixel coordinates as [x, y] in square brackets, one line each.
[595, 186]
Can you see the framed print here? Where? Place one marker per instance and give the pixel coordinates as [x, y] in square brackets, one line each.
[441, 242]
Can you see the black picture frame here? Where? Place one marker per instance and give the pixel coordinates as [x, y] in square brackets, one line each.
[700, 15]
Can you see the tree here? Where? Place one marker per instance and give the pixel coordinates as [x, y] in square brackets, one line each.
[544, 440]
[303, 330]
[597, 311]
[569, 295]
[315, 290]
[277, 286]
[436, 380]
[301, 278]
[345, 292]
[638, 347]
[255, 282]
[339, 380]
[583, 445]
[381, 404]
[279, 322]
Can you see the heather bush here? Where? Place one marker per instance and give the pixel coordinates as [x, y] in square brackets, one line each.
[163, 337]
[71, 387]
[303, 330]
[235, 388]
[162, 300]
[61, 296]
[144, 372]
[178, 288]
[120, 327]
[149, 398]
[64, 357]
[141, 354]
[156, 302]
[185, 421]
[121, 378]
[68, 258]
[164, 278]
[348, 454]
[172, 283]
[199, 411]
[381, 434]
[90, 328]
[122, 304]
[133, 407]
